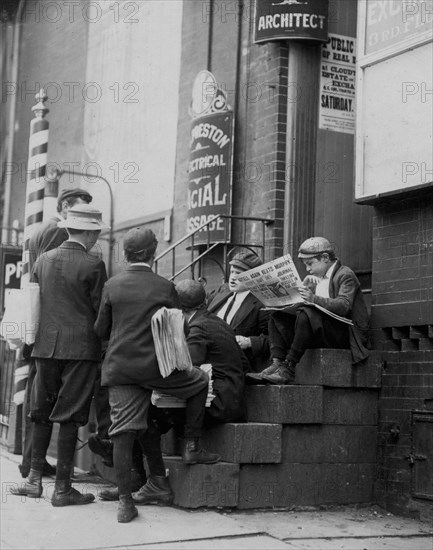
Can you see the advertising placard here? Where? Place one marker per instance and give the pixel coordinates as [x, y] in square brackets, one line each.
[210, 174]
[337, 84]
[11, 272]
[391, 23]
[291, 19]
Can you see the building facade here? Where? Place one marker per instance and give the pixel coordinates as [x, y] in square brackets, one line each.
[330, 136]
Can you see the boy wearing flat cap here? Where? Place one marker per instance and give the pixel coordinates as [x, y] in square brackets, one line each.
[130, 370]
[332, 286]
[242, 311]
[211, 340]
[67, 350]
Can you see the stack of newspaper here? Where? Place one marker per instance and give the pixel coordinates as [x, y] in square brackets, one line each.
[169, 339]
[162, 400]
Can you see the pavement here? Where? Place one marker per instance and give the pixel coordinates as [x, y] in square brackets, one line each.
[34, 524]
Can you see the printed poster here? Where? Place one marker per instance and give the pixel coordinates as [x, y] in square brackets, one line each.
[337, 84]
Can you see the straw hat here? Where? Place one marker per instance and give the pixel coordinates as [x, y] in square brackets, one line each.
[84, 218]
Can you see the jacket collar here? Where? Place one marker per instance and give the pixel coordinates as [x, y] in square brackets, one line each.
[139, 268]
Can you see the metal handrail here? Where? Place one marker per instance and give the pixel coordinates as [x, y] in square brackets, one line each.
[210, 246]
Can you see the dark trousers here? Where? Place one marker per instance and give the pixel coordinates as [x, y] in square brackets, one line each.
[27, 424]
[192, 386]
[102, 407]
[290, 335]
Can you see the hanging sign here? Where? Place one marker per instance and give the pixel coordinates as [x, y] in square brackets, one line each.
[210, 162]
[337, 84]
[291, 19]
[11, 261]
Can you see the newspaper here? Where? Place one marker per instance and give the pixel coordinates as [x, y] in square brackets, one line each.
[276, 284]
[170, 342]
[164, 401]
[20, 322]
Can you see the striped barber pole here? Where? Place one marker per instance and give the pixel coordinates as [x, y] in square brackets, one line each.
[36, 170]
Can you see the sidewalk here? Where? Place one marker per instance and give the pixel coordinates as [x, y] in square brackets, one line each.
[34, 524]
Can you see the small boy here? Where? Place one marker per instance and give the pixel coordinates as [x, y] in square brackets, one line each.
[332, 286]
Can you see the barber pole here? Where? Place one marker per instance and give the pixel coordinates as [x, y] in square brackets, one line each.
[36, 169]
[50, 194]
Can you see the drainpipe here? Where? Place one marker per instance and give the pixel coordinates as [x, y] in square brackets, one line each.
[5, 237]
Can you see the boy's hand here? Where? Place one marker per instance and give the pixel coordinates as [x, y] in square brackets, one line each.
[243, 341]
[306, 294]
[311, 281]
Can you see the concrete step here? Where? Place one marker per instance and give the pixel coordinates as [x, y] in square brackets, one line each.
[284, 404]
[290, 485]
[210, 485]
[329, 444]
[333, 367]
[249, 443]
[350, 407]
[252, 443]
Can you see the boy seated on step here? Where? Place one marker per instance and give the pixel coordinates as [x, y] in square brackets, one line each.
[212, 340]
[332, 286]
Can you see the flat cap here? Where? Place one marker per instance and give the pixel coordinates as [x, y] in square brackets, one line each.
[139, 239]
[245, 260]
[313, 247]
[191, 293]
[76, 192]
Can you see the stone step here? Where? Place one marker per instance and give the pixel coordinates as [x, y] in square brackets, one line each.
[210, 485]
[350, 407]
[284, 404]
[329, 444]
[292, 485]
[248, 443]
[333, 367]
[251, 443]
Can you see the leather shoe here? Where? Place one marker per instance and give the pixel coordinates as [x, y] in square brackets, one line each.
[32, 486]
[127, 510]
[103, 448]
[257, 377]
[70, 497]
[156, 491]
[193, 453]
[283, 376]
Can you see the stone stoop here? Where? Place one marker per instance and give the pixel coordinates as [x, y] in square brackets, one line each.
[310, 444]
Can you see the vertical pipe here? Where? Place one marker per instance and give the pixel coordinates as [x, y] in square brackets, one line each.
[11, 125]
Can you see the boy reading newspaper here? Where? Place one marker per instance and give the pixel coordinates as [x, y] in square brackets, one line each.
[326, 310]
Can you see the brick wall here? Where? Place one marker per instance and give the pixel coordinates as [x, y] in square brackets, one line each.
[403, 272]
[407, 393]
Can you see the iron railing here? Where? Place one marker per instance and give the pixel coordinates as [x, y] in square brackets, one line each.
[198, 251]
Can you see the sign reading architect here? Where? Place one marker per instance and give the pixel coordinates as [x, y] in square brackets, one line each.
[210, 170]
[287, 19]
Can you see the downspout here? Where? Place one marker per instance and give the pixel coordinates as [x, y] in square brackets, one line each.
[11, 125]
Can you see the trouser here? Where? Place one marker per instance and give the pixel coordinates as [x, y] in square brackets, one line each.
[130, 403]
[290, 335]
[27, 424]
[102, 407]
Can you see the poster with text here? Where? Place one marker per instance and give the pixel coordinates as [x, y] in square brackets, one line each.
[337, 84]
[210, 177]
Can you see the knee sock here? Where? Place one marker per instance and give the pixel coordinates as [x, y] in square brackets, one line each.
[66, 443]
[122, 458]
[40, 442]
[137, 460]
[150, 442]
